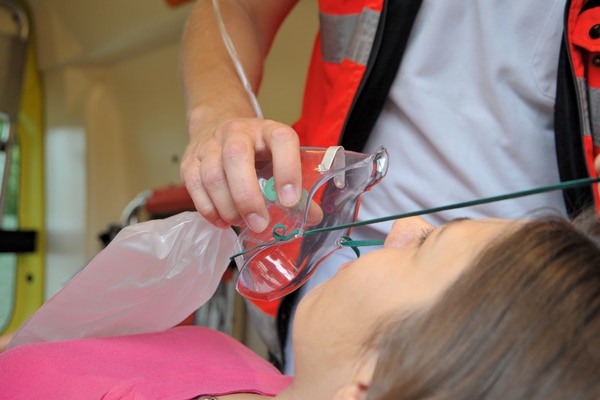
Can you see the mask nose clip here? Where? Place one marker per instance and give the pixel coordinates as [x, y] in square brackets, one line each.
[334, 158]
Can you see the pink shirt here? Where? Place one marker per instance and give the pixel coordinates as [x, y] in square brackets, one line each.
[179, 363]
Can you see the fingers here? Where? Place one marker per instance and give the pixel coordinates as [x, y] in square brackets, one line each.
[192, 174]
[238, 164]
[220, 174]
[287, 168]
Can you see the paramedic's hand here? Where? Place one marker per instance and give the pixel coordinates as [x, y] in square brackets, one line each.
[219, 169]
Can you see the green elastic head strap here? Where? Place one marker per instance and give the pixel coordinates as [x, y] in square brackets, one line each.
[279, 233]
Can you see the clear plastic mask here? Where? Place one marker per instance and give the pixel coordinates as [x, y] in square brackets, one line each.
[278, 260]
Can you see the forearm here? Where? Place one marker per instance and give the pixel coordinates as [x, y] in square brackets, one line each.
[212, 87]
[227, 140]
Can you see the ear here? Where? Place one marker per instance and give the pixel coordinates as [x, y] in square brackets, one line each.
[357, 388]
[352, 391]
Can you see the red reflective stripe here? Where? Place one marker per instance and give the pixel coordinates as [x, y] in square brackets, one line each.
[586, 47]
[591, 153]
[343, 7]
[268, 307]
[576, 57]
[329, 94]
[581, 33]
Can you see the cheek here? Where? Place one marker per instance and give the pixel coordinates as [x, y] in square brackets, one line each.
[343, 306]
[359, 295]
[370, 300]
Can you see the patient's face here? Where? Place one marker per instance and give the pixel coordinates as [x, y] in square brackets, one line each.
[410, 272]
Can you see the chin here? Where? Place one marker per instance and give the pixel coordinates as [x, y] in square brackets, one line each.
[309, 304]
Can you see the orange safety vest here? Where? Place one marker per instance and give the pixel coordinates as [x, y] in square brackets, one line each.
[582, 46]
[337, 68]
[358, 51]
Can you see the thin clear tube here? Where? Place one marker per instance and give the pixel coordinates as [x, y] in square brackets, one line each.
[236, 59]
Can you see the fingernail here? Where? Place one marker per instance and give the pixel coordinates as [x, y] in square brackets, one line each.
[219, 223]
[256, 223]
[288, 196]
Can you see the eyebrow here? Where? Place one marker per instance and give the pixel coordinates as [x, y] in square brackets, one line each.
[443, 228]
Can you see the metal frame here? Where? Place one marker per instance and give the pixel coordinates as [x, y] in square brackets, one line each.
[13, 53]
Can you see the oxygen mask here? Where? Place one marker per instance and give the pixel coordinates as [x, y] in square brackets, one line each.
[281, 258]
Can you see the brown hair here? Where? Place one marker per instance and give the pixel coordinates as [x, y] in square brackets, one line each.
[522, 323]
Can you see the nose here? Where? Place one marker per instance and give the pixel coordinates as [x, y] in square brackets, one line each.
[406, 232]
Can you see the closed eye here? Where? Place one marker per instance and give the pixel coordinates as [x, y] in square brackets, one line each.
[424, 235]
[428, 231]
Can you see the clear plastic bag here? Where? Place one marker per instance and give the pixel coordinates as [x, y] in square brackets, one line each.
[150, 277]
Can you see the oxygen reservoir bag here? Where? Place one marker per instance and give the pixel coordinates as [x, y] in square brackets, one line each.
[150, 277]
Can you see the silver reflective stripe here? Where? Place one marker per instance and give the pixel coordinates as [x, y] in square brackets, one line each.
[583, 105]
[348, 36]
[594, 110]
